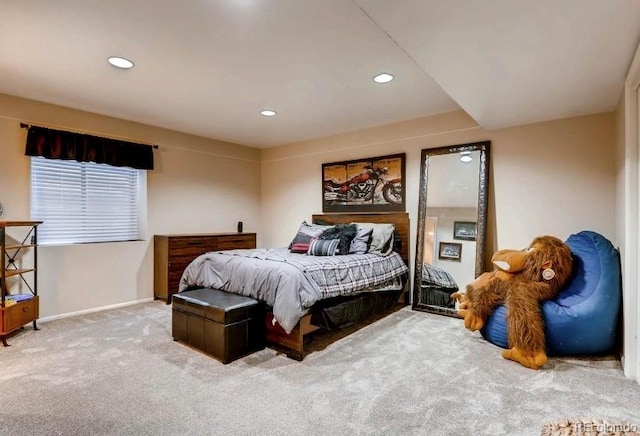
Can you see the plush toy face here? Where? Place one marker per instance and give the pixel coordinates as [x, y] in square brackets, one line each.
[547, 260]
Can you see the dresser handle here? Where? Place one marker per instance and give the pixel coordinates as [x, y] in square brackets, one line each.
[25, 309]
[195, 243]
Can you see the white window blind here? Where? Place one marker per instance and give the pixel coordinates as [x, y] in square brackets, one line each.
[83, 202]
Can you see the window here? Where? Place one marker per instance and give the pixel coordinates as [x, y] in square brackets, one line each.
[83, 202]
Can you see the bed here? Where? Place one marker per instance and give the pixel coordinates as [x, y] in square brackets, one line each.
[304, 293]
[437, 286]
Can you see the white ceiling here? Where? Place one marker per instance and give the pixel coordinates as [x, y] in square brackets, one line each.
[208, 67]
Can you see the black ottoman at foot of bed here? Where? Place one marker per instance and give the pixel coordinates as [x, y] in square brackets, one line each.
[223, 325]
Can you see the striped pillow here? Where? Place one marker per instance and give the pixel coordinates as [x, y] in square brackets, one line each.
[323, 247]
[301, 243]
[306, 233]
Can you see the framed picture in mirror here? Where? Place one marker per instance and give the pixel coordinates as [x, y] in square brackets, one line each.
[464, 230]
[450, 251]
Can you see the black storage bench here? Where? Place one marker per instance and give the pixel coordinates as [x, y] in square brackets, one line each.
[223, 325]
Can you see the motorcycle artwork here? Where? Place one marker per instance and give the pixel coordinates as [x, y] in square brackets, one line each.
[367, 185]
[363, 186]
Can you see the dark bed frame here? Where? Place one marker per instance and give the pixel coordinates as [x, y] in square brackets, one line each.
[369, 304]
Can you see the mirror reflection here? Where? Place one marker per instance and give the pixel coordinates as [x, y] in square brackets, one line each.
[451, 223]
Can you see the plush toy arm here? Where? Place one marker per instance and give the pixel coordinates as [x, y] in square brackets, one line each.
[485, 299]
[463, 298]
[481, 301]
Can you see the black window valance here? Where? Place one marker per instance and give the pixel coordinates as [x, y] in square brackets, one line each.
[59, 144]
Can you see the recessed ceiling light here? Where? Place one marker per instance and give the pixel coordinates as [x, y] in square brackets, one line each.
[268, 113]
[466, 158]
[383, 78]
[120, 62]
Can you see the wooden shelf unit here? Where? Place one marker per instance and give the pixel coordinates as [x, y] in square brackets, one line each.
[15, 316]
[172, 254]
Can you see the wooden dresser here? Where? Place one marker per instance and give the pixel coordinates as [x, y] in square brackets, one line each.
[172, 254]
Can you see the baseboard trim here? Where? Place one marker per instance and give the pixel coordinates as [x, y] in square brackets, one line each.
[95, 309]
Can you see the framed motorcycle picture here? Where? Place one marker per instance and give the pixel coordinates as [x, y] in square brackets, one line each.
[374, 184]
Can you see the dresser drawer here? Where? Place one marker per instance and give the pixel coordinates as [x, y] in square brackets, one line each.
[19, 314]
[232, 242]
[187, 246]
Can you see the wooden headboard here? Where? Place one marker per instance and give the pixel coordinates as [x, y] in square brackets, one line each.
[400, 219]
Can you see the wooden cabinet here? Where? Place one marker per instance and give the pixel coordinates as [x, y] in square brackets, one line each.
[172, 254]
[19, 314]
[19, 260]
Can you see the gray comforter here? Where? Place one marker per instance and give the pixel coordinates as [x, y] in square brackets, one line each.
[291, 283]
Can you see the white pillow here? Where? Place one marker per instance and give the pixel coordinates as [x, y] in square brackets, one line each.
[381, 238]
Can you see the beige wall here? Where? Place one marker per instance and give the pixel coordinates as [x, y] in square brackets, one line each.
[554, 178]
[199, 185]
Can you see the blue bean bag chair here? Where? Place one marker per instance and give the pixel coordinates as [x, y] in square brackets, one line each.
[583, 318]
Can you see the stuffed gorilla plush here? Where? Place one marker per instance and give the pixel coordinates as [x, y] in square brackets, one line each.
[521, 280]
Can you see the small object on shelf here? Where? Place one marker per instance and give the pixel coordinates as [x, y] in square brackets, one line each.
[18, 297]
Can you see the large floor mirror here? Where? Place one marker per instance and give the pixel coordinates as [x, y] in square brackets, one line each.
[452, 222]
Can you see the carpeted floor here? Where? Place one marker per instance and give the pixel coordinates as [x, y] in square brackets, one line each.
[411, 373]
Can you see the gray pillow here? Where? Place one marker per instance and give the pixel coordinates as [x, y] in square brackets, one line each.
[381, 238]
[360, 244]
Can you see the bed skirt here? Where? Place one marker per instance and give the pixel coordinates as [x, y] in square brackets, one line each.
[339, 312]
[437, 296]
